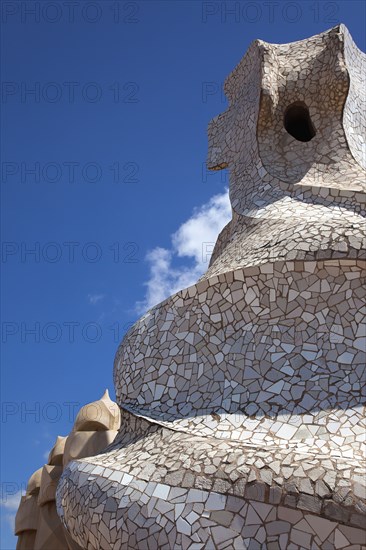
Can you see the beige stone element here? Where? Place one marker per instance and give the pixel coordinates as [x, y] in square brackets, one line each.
[34, 482]
[57, 451]
[82, 444]
[27, 515]
[37, 524]
[50, 477]
[103, 414]
[26, 540]
[50, 532]
[95, 428]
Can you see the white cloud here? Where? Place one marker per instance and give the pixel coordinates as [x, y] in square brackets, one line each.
[10, 519]
[194, 241]
[11, 502]
[95, 298]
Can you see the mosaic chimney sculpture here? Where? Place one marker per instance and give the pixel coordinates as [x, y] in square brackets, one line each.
[242, 397]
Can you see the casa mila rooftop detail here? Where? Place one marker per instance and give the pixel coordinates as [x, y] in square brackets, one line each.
[241, 400]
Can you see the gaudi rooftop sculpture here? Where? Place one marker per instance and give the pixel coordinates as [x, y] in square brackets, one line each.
[242, 418]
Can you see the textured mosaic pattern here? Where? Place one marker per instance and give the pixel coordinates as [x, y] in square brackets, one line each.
[280, 330]
[290, 475]
[243, 396]
[149, 515]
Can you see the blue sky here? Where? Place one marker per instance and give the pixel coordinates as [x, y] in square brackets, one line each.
[105, 107]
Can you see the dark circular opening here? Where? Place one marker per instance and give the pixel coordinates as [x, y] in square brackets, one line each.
[298, 123]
